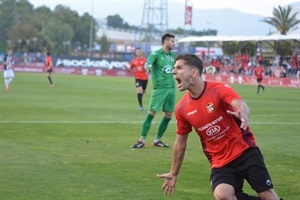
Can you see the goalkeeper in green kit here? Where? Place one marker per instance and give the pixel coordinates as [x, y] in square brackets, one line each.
[160, 63]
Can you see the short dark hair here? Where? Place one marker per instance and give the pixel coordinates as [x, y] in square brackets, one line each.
[191, 60]
[48, 54]
[166, 36]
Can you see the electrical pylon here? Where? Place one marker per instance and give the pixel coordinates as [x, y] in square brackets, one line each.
[155, 21]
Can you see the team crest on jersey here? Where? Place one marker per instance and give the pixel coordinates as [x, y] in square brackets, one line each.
[210, 107]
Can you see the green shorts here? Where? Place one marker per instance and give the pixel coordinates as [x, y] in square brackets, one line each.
[162, 100]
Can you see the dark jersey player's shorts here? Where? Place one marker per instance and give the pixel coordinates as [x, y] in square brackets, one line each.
[162, 100]
[141, 83]
[250, 166]
[259, 80]
[49, 70]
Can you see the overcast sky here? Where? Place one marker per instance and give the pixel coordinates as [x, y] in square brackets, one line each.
[132, 10]
[102, 7]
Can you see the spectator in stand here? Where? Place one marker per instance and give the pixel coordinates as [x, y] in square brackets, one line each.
[258, 72]
[231, 69]
[298, 75]
[295, 63]
[202, 55]
[260, 58]
[282, 72]
[217, 64]
[248, 69]
[287, 66]
[244, 63]
[241, 68]
[269, 72]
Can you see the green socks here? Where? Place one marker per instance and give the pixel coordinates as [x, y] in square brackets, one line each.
[146, 126]
[162, 127]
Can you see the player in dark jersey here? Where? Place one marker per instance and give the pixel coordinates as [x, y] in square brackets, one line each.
[220, 118]
[141, 77]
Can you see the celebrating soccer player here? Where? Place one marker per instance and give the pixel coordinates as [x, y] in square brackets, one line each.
[220, 118]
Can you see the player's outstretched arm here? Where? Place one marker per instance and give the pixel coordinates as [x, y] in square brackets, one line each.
[242, 112]
[178, 156]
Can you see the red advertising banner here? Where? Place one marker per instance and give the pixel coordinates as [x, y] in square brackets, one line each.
[72, 70]
[229, 79]
[250, 80]
[188, 12]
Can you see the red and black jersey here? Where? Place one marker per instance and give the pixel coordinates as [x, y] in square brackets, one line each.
[139, 68]
[48, 62]
[221, 137]
[258, 72]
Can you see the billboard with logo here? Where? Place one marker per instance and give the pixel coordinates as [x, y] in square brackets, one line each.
[101, 63]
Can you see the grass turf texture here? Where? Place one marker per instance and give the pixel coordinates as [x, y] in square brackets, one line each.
[72, 141]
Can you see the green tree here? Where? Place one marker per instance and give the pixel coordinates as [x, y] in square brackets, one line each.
[41, 16]
[20, 36]
[59, 33]
[283, 48]
[105, 44]
[82, 31]
[115, 21]
[23, 11]
[6, 18]
[283, 19]
[13, 12]
[230, 48]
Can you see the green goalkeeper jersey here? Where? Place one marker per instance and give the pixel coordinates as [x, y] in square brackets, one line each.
[161, 65]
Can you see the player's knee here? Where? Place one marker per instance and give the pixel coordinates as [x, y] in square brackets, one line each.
[224, 196]
[224, 192]
[152, 113]
[168, 114]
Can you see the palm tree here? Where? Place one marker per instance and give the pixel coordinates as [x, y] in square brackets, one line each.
[283, 19]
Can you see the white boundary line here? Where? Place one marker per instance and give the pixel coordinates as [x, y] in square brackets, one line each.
[119, 122]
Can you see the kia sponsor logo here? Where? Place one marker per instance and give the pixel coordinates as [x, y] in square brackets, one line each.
[213, 130]
[91, 63]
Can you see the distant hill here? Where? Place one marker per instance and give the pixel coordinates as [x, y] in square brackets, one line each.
[228, 22]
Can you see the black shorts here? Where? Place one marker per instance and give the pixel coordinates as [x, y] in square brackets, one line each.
[259, 80]
[250, 166]
[141, 83]
[49, 70]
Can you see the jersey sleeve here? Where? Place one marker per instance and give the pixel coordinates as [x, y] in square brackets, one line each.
[151, 59]
[131, 64]
[228, 94]
[183, 127]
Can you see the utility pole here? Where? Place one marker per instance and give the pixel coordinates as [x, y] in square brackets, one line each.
[91, 29]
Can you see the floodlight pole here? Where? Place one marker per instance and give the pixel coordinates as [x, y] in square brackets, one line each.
[91, 30]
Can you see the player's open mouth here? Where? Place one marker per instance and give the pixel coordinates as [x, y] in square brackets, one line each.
[178, 82]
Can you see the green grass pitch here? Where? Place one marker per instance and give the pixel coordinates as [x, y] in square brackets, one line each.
[73, 141]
